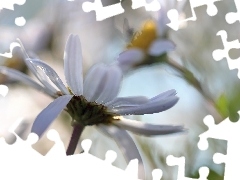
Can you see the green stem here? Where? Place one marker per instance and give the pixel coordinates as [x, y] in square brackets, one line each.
[192, 80]
[77, 131]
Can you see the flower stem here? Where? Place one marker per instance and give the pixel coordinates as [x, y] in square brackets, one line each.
[194, 82]
[77, 131]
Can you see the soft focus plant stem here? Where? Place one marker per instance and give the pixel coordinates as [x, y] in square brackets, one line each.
[190, 78]
[77, 131]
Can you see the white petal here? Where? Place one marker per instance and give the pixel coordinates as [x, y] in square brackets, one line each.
[127, 101]
[51, 74]
[49, 114]
[111, 85]
[164, 95]
[148, 108]
[93, 82]
[145, 129]
[27, 60]
[23, 49]
[125, 144]
[159, 47]
[73, 64]
[102, 83]
[39, 75]
[42, 77]
[19, 76]
[162, 29]
[130, 58]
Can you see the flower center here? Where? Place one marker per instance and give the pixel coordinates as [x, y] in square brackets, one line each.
[145, 37]
[88, 113]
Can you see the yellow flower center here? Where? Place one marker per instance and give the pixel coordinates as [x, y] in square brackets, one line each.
[145, 37]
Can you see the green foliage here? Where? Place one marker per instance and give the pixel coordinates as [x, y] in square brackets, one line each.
[212, 175]
[229, 106]
[222, 106]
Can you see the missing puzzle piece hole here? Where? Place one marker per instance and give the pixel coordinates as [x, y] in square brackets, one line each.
[203, 144]
[212, 10]
[231, 17]
[204, 172]
[20, 21]
[209, 121]
[53, 135]
[218, 54]
[32, 138]
[157, 174]
[219, 158]
[3, 90]
[86, 144]
[110, 156]
[86, 6]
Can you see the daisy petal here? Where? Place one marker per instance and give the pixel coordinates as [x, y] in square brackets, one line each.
[151, 107]
[125, 144]
[163, 20]
[73, 64]
[164, 95]
[37, 73]
[130, 58]
[127, 101]
[102, 83]
[159, 47]
[51, 74]
[111, 85]
[49, 114]
[145, 129]
[92, 85]
[40, 75]
[19, 76]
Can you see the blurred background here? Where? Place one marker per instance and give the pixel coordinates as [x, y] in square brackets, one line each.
[48, 24]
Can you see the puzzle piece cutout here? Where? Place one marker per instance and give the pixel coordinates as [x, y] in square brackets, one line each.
[174, 15]
[103, 13]
[224, 53]
[3, 90]
[18, 128]
[226, 130]
[19, 21]
[232, 17]
[154, 5]
[9, 54]
[22, 158]
[180, 162]
[9, 4]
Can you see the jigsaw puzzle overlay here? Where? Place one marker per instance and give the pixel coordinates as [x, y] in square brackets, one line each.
[21, 152]
[19, 21]
[22, 158]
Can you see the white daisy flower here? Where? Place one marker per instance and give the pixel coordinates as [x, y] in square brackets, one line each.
[149, 44]
[93, 100]
[144, 47]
